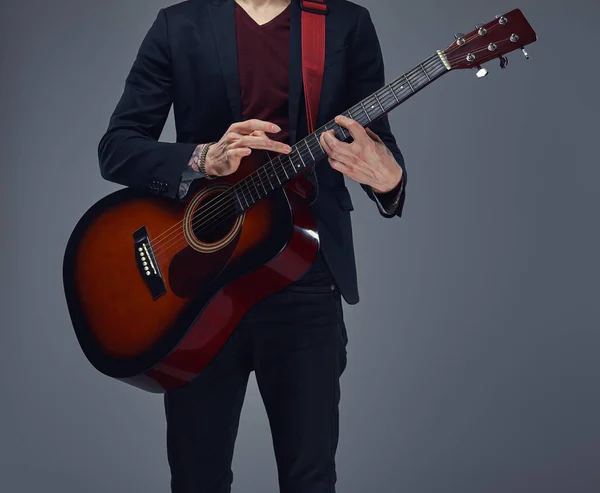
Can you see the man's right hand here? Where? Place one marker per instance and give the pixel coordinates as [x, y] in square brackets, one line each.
[224, 157]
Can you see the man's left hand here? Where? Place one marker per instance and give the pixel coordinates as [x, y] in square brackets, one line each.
[367, 160]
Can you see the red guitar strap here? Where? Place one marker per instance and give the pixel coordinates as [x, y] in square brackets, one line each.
[313, 56]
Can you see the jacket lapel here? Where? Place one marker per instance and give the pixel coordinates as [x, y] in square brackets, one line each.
[222, 15]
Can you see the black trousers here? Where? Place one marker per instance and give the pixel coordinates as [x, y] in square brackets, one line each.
[295, 342]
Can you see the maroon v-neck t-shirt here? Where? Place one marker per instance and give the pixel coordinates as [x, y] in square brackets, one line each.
[263, 66]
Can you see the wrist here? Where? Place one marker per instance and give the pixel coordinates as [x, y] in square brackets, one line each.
[392, 185]
[204, 163]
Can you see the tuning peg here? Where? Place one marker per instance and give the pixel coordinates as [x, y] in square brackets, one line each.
[481, 72]
[525, 54]
[503, 62]
[501, 19]
[460, 38]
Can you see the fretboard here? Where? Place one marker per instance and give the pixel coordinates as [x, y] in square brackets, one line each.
[307, 152]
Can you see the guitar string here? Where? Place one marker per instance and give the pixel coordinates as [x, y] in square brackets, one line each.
[244, 185]
[449, 50]
[311, 147]
[389, 98]
[231, 202]
[293, 156]
[223, 199]
[369, 101]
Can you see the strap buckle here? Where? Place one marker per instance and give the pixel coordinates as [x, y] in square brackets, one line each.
[314, 7]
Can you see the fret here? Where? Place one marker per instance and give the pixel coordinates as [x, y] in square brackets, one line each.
[307, 158]
[417, 78]
[283, 167]
[351, 116]
[238, 198]
[261, 180]
[318, 139]
[291, 161]
[248, 190]
[269, 178]
[425, 72]
[342, 128]
[394, 93]
[379, 102]
[275, 171]
[409, 84]
[299, 154]
[256, 178]
[366, 113]
[245, 199]
[255, 188]
[371, 106]
[308, 147]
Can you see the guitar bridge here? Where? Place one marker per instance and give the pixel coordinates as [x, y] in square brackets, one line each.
[147, 264]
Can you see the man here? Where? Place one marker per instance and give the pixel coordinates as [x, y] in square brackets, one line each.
[232, 70]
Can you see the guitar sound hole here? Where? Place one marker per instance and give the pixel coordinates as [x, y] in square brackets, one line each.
[212, 230]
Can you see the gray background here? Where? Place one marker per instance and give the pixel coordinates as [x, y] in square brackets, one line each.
[473, 360]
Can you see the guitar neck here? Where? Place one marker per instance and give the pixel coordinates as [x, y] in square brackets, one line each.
[307, 152]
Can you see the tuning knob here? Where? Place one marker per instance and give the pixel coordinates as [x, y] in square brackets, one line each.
[482, 31]
[503, 62]
[481, 72]
[525, 54]
[460, 39]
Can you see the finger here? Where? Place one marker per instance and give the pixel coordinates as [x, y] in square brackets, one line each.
[324, 144]
[232, 137]
[249, 126]
[262, 143]
[356, 129]
[234, 157]
[338, 150]
[239, 152]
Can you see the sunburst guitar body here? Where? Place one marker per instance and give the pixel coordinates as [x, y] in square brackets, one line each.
[155, 287]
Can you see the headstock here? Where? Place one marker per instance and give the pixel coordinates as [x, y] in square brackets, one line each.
[507, 33]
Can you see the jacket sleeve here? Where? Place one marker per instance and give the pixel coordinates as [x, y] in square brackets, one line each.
[366, 75]
[129, 152]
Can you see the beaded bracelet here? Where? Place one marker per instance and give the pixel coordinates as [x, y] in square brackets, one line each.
[202, 161]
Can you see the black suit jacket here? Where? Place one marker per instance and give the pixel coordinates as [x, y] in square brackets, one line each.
[188, 59]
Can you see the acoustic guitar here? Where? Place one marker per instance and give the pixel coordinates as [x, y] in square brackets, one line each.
[155, 287]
